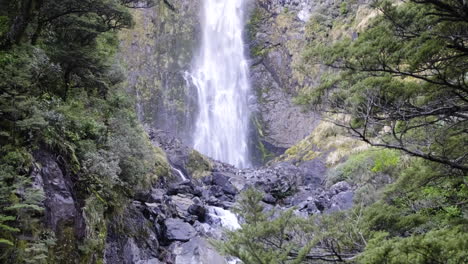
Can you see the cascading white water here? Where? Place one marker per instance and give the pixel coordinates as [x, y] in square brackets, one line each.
[220, 75]
[224, 218]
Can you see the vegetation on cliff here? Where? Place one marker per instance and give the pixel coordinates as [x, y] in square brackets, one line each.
[60, 93]
[400, 86]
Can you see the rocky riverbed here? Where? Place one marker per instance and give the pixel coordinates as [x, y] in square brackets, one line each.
[174, 219]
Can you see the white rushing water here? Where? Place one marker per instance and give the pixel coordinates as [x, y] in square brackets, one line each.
[224, 218]
[220, 75]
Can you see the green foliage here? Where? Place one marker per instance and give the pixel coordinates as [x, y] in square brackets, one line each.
[409, 224]
[362, 167]
[344, 8]
[263, 238]
[60, 93]
[401, 86]
[437, 246]
[402, 80]
[254, 22]
[21, 204]
[283, 237]
[198, 165]
[4, 24]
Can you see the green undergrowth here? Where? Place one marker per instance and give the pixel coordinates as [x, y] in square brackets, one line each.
[62, 96]
[418, 216]
[198, 165]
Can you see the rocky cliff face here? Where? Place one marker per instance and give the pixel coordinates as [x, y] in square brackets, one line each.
[158, 51]
[155, 54]
[279, 32]
[172, 221]
[160, 48]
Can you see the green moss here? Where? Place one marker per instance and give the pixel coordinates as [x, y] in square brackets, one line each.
[255, 21]
[266, 154]
[198, 165]
[163, 169]
[4, 25]
[310, 155]
[344, 8]
[93, 246]
[66, 247]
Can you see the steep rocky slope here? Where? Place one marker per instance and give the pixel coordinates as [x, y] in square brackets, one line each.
[279, 33]
[171, 222]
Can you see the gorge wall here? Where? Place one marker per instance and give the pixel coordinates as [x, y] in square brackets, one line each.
[161, 47]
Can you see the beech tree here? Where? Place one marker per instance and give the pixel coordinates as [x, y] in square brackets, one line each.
[403, 82]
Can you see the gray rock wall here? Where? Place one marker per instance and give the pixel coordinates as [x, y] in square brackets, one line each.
[160, 48]
[155, 54]
[279, 34]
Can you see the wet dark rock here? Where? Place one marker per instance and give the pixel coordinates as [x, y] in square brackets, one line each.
[156, 195]
[280, 180]
[198, 210]
[312, 208]
[60, 204]
[268, 198]
[134, 240]
[133, 254]
[314, 171]
[220, 178]
[182, 204]
[185, 187]
[229, 189]
[339, 187]
[216, 190]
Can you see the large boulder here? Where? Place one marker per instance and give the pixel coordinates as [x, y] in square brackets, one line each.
[182, 204]
[177, 229]
[341, 201]
[280, 180]
[197, 251]
[133, 254]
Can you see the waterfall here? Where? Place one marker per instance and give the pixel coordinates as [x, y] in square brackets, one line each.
[220, 76]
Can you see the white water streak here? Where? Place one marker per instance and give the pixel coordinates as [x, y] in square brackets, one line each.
[220, 75]
[181, 174]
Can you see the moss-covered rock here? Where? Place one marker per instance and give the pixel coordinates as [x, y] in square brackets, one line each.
[198, 165]
[327, 141]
